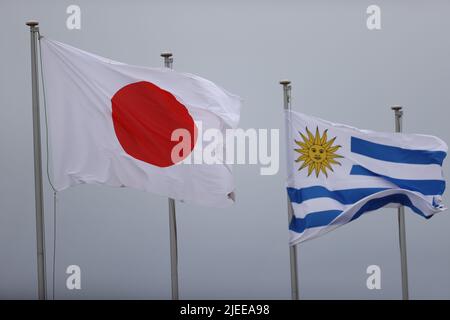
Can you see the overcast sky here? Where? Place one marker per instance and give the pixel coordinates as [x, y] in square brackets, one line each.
[340, 71]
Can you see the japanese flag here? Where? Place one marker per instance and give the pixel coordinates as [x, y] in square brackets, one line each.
[112, 123]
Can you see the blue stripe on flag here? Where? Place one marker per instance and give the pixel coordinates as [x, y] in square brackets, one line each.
[378, 203]
[315, 219]
[396, 154]
[324, 218]
[346, 196]
[425, 187]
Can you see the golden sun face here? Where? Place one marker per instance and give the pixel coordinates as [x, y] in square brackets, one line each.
[317, 153]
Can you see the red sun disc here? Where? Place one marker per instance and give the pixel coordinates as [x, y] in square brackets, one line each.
[144, 117]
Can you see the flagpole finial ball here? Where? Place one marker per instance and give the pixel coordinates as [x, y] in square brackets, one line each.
[166, 54]
[285, 82]
[32, 23]
[396, 108]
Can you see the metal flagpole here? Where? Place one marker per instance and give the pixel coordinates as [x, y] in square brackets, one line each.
[401, 219]
[168, 60]
[38, 189]
[293, 249]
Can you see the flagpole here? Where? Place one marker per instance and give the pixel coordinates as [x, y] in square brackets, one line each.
[292, 249]
[38, 188]
[401, 219]
[168, 60]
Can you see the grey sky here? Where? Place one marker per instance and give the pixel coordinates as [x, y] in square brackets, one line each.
[339, 70]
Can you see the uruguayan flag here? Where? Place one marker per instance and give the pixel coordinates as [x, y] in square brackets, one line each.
[336, 173]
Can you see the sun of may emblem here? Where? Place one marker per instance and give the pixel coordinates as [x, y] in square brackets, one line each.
[317, 153]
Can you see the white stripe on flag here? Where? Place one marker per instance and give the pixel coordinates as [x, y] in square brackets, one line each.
[398, 170]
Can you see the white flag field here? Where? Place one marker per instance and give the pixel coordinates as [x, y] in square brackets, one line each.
[336, 173]
[112, 123]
